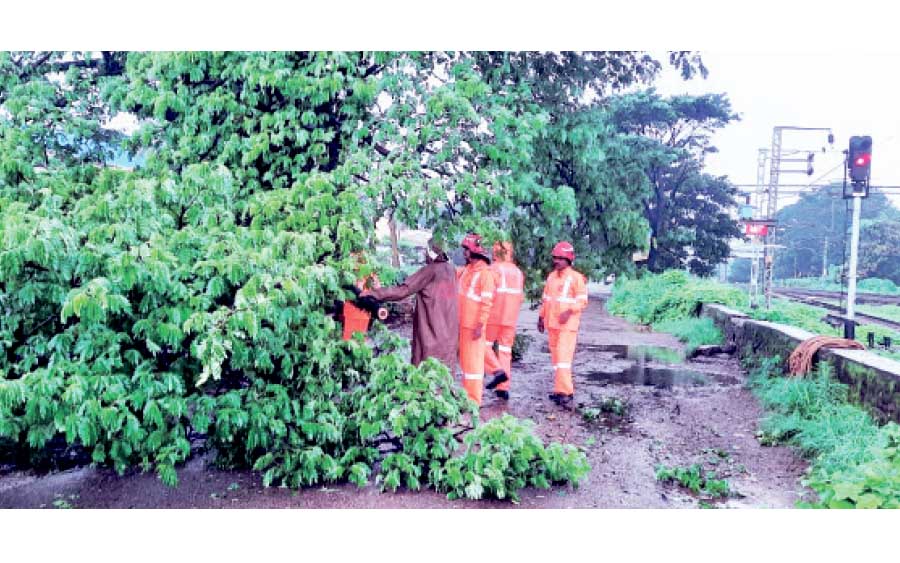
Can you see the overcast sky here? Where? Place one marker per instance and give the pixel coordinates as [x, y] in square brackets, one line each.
[852, 94]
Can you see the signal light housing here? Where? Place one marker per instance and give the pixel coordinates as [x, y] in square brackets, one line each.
[859, 159]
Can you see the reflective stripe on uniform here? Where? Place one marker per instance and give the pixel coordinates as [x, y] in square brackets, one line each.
[566, 287]
[565, 299]
[563, 365]
[509, 290]
[473, 376]
[503, 348]
[471, 294]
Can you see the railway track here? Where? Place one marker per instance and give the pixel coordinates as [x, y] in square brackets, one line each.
[862, 298]
[818, 299]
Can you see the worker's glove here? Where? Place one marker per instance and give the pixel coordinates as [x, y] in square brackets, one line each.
[368, 303]
[540, 325]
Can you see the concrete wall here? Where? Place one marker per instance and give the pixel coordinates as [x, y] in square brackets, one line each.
[874, 381]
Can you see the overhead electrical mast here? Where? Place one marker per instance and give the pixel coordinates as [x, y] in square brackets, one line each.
[776, 157]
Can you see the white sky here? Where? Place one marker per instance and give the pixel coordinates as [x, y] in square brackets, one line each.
[806, 90]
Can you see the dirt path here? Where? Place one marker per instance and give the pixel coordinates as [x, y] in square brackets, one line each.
[642, 412]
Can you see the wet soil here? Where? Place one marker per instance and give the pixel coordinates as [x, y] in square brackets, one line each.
[638, 404]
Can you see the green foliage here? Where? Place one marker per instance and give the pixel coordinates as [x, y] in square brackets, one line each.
[688, 211]
[187, 296]
[609, 405]
[672, 295]
[878, 285]
[503, 456]
[693, 331]
[696, 479]
[874, 483]
[795, 314]
[855, 463]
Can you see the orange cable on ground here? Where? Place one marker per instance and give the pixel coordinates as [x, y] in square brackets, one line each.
[801, 359]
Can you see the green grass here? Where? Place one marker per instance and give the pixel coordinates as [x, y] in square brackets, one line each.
[799, 315]
[672, 295]
[693, 331]
[854, 462]
[891, 312]
[670, 302]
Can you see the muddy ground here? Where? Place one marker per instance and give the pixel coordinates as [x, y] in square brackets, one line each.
[638, 406]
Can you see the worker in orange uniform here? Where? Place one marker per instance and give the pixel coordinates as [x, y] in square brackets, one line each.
[356, 319]
[501, 325]
[476, 295]
[565, 297]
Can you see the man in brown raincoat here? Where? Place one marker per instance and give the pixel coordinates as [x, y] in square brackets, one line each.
[435, 320]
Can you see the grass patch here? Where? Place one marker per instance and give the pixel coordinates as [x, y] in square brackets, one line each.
[668, 296]
[855, 463]
[867, 285]
[891, 312]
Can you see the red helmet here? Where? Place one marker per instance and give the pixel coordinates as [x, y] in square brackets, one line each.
[564, 250]
[473, 243]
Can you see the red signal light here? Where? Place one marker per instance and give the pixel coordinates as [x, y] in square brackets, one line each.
[862, 160]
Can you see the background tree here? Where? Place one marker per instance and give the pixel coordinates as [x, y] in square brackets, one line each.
[188, 296]
[815, 230]
[687, 210]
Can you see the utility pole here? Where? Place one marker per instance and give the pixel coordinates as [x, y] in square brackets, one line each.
[775, 157]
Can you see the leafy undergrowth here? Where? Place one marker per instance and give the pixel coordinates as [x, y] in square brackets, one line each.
[671, 295]
[696, 479]
[609, 405]
[693, 331]
[503, 456]
[855, 463]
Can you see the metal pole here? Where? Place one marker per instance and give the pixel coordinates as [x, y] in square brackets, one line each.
[772, 208]
[849, 328]
[752, 289]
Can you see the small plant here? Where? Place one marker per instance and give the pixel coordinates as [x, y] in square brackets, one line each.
[695, 479]
[614, 405]
[610, 405]
[503, 456]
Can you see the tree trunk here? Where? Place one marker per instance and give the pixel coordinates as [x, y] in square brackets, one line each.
[395, 247]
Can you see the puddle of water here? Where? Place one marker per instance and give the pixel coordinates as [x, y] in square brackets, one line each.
[639, 353]
[656, 353]
[642, 374]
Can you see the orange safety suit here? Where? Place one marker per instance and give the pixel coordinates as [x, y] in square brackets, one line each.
[356, 319]
[476, 295]
[501, 325]
[565, 290]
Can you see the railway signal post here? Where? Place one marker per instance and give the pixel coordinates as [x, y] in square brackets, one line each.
[859, 160]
